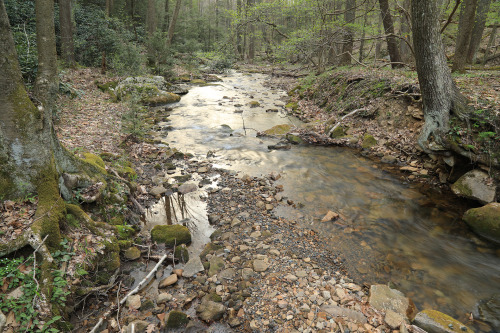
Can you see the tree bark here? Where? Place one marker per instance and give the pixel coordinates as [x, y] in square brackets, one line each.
[151, 18]
[349, 17]
[490, 44]
[465, 24]
[405, 50]
[173, 22]
[392, 43]
[166, 20]
[483, 7]
[439, 93]
[66, 25]
[251, 37]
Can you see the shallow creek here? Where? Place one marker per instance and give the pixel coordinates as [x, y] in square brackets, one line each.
[392, 233]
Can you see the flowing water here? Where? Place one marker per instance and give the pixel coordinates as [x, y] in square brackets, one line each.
[392, 233]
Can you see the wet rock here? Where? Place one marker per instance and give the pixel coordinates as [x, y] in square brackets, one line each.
[163, 97]
[330, 216]
[202, 170]
[132, 253]
[168, 281]
[384, 298]
[216, 264]
[171, 234]
[485, 220]
[389, 159]
[187, 188]
[254, 104]
[181, 253]
[437, 322]
[489, 311]
[260, 265]
[294, 138]
[282, 145]
[234, 322]
[137, 326]
[278, 130]
[338, 311]
[147, 305]
[157, 191]
[133, 302]
[163, 298]
[247, 273]
[337, 132]
[227, 274]
[210, 311]
[192, 267]
[213, 219]
[475, 185]
[177, 319]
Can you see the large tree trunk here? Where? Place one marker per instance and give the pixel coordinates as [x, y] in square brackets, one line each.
[405, 50]
[483, 8]
[465, 24]
[151, 18]
[392, 42]
[349, 17]
[173, 22]
[66, 23]
[439, 93]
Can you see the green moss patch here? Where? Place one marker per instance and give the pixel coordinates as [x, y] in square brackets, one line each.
[177, 319]
[95, 161]
[125, 231]
[171, 235]
[181, 253]
[278, 130]
[368, 141]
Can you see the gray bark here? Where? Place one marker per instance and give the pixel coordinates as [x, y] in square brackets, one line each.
[151, 18]
[405, 33]
[483, 8]
[349, 17]
[66, 25]
[392, 43]
[173, 22]
[465, 24]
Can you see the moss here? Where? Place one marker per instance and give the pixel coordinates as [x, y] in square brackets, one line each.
[125, 231]
[181, 253]
[182, 179]
[127, 173]
[171, 234]
[107, 86]
[184, 78]
[95, 161]
[209, 248]
[178, 155]
[110, 260]
[254, 104]
[124, 244]
[198, 81]
[368, 141]
[169, 166]
[444, 321]
[177, 319]
[147, 305]
[485, 220]
[72, 221]
[338, 133]
[292, 105]
[27, 113]
[213, 297]
[278, 130]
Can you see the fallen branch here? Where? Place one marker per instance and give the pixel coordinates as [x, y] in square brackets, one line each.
[132, 292]
[341, 119]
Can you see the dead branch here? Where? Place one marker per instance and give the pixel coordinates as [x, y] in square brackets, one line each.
[341, 119]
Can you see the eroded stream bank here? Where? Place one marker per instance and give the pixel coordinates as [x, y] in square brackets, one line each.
[390, 232]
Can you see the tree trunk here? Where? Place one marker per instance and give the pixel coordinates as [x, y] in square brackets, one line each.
[439, 93]
[363, 34]
[171, 27]
[465, 24]
[151, 18]
[405, 33]
[483, 7]
[166, 21]
[392, 43]
[66, 25]
[109, 7]
[490, 44]
[251, 37]
[239, 47]
[349, 17]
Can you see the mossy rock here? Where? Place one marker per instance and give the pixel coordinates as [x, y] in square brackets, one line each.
[161, 98]
[104, 87]
[216, 265]
[184, 78]
[132, 253]
[125, 231]
[485, 220]
[292, 105]
[177, 319]
[182, 179]
[181, 253]
[209, 248]
[339, 132]
[110, 259]
[127, 173]
[198, 81]
[124, 244]
[169, 166]
[213, 297]
[216, 234]
[171, 235]
[278, 130]
[435, 321]
[117, 220]
[294, 139]
[254, 104]
[368, 141]
[96, 161]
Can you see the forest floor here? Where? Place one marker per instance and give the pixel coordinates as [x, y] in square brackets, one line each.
[271, 275]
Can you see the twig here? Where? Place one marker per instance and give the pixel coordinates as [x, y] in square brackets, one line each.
[118, 311]
[341, 119]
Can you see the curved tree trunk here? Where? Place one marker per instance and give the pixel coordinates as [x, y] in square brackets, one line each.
[439, 93]
[392, 43]
[465, 24]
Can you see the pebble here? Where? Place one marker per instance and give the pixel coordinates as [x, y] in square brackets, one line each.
[168, 281]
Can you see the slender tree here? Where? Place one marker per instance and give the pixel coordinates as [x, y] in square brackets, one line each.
[483, 8]
[151, 18]
[173, 22]
[66, 25]
[349, 17]
[392, 42]
[465, 25]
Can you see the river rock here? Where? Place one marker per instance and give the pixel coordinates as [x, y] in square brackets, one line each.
[216, 264]
[171, 234]
[329, 216]
[282, 145]
[176, 319]
[338, 311]
[132, 253]
[227, 274]
[192, 267]
[437, 322]
[384, 298]
[278, 130]
[163, 298]
[485, 220]
[368, 141]
[134, 302]
[157, 191]
[168, 281]
[389, 159]
[260, 265]
[210, 311]
[475, 185]
[187, 188]
[294, 138]
[137, 326]
[247, 273]
[393, 319]
[489, 311]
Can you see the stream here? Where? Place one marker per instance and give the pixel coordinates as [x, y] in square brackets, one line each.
[393, 233]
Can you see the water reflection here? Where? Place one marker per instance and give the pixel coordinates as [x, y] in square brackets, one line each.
[390, 231]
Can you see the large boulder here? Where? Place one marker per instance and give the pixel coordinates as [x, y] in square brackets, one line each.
[384, 298]
[171, 235]
[434, 321]
[152, 90]
[485, 220]
[475, 185]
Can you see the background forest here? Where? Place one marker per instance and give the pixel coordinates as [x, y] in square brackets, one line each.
[132, 37]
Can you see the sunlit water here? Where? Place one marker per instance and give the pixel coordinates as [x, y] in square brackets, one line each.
[392, 233]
